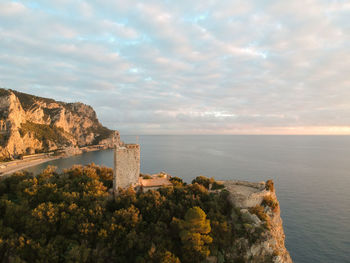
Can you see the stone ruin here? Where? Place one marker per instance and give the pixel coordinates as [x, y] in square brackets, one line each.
[126, 164]
[127, 168]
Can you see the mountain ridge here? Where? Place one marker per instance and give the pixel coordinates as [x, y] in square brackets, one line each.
[31, 124]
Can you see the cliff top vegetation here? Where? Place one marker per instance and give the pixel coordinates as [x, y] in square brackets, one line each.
[72, 217]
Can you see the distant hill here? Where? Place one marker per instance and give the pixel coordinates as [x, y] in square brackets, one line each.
[30, 124]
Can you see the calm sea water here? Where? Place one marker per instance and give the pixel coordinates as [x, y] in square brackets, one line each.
[311, 174]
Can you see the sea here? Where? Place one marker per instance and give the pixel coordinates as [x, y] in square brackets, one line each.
[311, 175]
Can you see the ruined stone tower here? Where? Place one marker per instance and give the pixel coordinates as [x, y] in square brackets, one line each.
[126, 164]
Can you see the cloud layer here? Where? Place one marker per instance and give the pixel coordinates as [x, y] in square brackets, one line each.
[174, 67]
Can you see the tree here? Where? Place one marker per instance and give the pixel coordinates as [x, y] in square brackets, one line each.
[194, 236]
[168, 257]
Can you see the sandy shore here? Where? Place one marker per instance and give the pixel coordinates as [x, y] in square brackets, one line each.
[23, 164]
[7, 168]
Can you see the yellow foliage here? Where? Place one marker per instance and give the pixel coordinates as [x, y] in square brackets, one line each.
[33, 188]
[95, 188]
[102, 233]
[72, 195]
[21, 241]
[194, 232]
[46, 211]
[86, 228]
[72, 206]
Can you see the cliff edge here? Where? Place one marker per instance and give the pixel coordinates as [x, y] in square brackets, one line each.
[31, 124]
[258, 208]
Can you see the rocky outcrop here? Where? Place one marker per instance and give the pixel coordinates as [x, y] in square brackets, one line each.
[258, 210]
[30, 124]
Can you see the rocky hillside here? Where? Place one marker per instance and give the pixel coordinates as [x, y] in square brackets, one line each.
[257, 206]
[30, 124]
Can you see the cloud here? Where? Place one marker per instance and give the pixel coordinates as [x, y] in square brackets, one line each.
[186, 67]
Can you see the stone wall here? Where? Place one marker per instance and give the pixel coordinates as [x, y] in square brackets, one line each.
[127, 165]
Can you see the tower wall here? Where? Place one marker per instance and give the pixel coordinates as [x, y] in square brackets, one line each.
[126, 165]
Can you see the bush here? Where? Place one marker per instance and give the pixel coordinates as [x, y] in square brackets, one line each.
[259, 211]
[206, 182]
[270, 202]
[202, 180]
[4, 92]
[176, 181]
[269, 185]
[217, 186]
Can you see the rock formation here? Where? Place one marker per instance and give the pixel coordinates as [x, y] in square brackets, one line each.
[258, 209]
[30, 124]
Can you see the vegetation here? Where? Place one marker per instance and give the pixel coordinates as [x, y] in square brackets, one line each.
[176, 181]
[263, 216]
[5, 159]
[4, 139]
[217, 186]
[44, 133]
[202, 180]
[194, 234]
[146, 176]
[270, 202]
[71, 217]
[269, 185]
[4, 92]
[27, 101]
[100, 132]
[50, 113]
[208, 183]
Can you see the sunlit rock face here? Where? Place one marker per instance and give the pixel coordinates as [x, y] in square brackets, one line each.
[265, 237]
[33, 124]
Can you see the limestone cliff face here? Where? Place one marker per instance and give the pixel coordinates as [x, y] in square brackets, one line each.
[258, 209]
[30, 124]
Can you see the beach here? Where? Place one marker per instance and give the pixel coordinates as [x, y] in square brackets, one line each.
[8, 168]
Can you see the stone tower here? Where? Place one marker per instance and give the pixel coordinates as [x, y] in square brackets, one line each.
[126, 164]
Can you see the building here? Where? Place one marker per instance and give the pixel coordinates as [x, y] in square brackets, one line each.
[126, 164]
[155, 181]
[127, 168]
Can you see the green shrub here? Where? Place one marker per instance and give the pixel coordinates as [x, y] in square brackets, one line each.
[44, 132]
[217, 186]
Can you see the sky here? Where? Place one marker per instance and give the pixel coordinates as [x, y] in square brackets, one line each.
[186, 67]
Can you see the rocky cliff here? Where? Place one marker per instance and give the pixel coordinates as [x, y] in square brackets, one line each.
[258, 210]
[30, 124]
